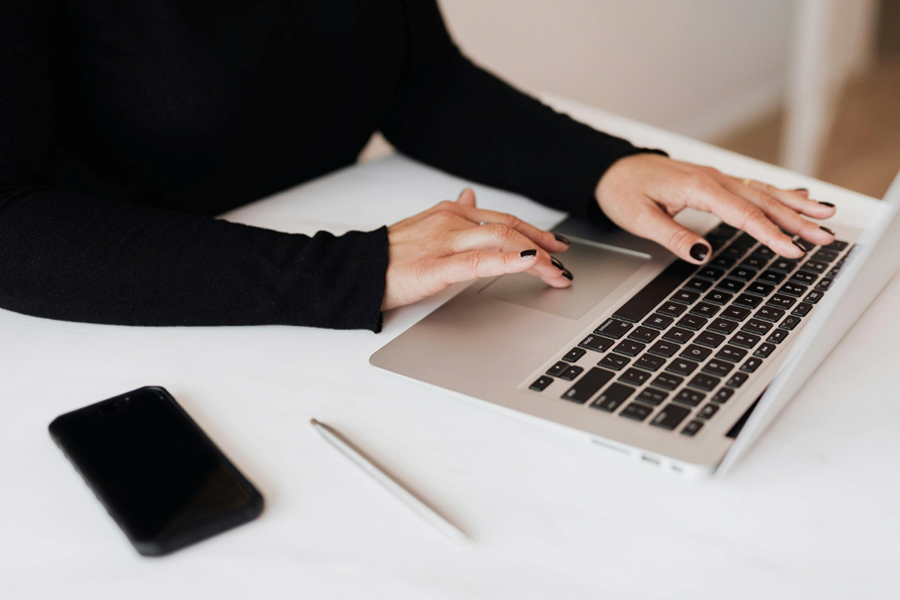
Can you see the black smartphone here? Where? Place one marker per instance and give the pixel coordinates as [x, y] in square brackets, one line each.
[159, 476]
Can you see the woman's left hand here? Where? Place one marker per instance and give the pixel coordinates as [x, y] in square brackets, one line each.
[641, 193]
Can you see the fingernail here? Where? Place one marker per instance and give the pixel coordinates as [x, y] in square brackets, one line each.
[799, 245]
[528, 253]
[556, 263]
[562, 239]
[568, 275]
[828, 204]
[801, 190]
[699, 251]
[826, 230]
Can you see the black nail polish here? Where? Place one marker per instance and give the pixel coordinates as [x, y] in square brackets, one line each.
[528, 253]
[826, 230]
[801, 190]
[562, 239]
[555, 262]
[799, 245]
[568, 275]
[828, 204]
[699, 251]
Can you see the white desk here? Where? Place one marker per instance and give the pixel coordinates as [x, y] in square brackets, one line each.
[810, 513]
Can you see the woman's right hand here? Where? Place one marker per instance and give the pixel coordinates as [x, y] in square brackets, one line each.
[448, 243]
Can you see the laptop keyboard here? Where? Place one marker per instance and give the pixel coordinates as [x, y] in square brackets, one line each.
[681, 346]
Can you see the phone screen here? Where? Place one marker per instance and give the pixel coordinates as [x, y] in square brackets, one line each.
[160, 476]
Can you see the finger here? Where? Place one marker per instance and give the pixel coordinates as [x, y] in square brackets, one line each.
[795, 199]
[656, 224]
[546, 240]
[475, 264]
[466, 198]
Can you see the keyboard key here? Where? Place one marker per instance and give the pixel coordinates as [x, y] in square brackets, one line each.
[707, 411]
[689, 397]
[723, 230]
[573, 355]
[719, 368]
[760, 289]
[665, 349]
[614, 362]
[780, 301]
[639, 305]
[734, 253]
[670, 416]
[825, 255]
[709, 339]
[651, 396]
[790, 322]
[667, 381]
[757, 327]
[557, 369]
[681, 366]
[744, 340]
[823, 285]
[769, 313]
[703, 309]
[751, 365]
[710, 273]
[541, 383]
[765, 350]
[764, 251]
[723, 326]
[803, 243]
[836, 245]
[636, 411]
[804, 278]
[643, 334]
[745, 241]
[597, 343]
[742, 274]
[676, 334]
[748, 300]
[730, 285]
[814, 296]
[755, 262]
[613, 328]
[692, 322]
[613, 397]
[699, 285]
[736, 313]
[658, 321]
[650, 362]
[724, 262]
[692, 428]
[723, 395]
[814, 266]
[704, 382]
[718, 297]
[802, 309]
[793, 289]
[588, 385]
[732, 353]
[737, 380]
[778, 335]
[673, 309]
[571, 373]
[629, 348]
[695, 352]
[635, 376]
[770, 276]
[784, 265]
[685, 296]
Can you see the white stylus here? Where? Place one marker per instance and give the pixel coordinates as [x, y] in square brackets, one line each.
[392, 485]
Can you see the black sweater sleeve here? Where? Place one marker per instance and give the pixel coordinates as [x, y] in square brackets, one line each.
[80, 257]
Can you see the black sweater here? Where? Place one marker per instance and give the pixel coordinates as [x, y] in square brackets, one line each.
[125, 126]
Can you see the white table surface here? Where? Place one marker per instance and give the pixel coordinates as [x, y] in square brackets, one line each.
[810, 512]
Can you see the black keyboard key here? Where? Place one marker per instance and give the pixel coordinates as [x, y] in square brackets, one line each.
[692, 428]
[730, 285]
[695, 352]
[770, 276]
[588, 385]
[764, 251]
[742, 274]
[755, 261]
[715, 241]
[804, 278]
[614, 361]
[629, 348]
[802, 309]
[748, 300]
[784, 265]
[790, 322]
[709, 339]
[643, 334]
[734, 253]
[737, 380]
[765, 350]
[814, 266]
[703, 309]
[597, 343]
[613, 328]
[751, 365]
[698, 285]
[723, 326]
[723, 395]
[651, 396]
[724, 262]
[736, 313]
[667, 381]
[769, 313]
[823, 285]
[692, 322]
[825, 255]
[571, 373]
[541, 383]
[732, 353]
[707, 411]
[807, 246]
[744, 339]
[745, 241]
[557, 369]
[636, 411]
[814, 296]
[673, 309]
[836, 245]
[681, 366]
[757, 327]
[573, 355]
[677, 334]
[634, 376]
[685, 296]
[780, 301]
[613, 397]
[778, 335]
[719, 368]
[689, 397]
[760, 289]
[710, 273]
[670, 416]
[665, 349]
[639, 305]
[718, 297]
[724, 230]
[658, 321]
[792, 289]
[704, 382]
[650, 362]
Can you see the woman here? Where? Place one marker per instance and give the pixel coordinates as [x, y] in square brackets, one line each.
[124, 126]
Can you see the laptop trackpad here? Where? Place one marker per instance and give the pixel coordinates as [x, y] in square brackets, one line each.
[597, 270]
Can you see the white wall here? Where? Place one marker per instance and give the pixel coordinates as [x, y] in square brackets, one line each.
[698, 67]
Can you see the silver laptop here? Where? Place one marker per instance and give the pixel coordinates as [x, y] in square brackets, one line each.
[680, 367]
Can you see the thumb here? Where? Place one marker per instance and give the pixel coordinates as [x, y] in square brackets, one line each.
[658, 226]
[466, 198]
